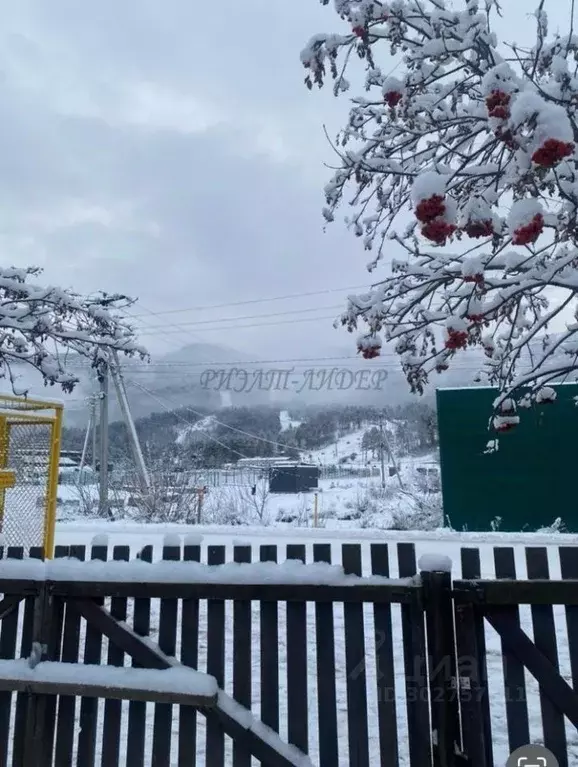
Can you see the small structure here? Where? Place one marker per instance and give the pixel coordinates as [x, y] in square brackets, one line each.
[259, 462]
[75, 475]
[293, 477]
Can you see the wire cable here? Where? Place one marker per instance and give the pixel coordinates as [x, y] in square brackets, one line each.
[260, 300]
[285, 313]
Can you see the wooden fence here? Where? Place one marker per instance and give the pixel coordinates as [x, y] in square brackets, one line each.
[305, 672]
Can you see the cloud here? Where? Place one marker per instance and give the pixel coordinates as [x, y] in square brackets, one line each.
[171, 151]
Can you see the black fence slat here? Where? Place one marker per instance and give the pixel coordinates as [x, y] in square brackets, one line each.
[8, 639]
[137, 710]
[22, 700]
[297, 704]
[384, 665]
[415, 665]
[513, 670]
[54, 650]
[167, 638]
[70, 648]
[242, 657]
[326, 685]
[471, 568]
[471, 685]
[544, 630]
[357, 713]
[269, 640]
[111, 732]
[190, 657]
[89, 706]
[215, 744]
[569, 571]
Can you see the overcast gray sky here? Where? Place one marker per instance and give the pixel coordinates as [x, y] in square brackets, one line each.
[171, 151]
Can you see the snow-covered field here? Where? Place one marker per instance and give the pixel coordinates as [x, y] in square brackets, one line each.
[438, 542]
[344, 502]
[343, 447]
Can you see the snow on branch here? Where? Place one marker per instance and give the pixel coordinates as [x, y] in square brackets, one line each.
[45, 326]
[460, 175]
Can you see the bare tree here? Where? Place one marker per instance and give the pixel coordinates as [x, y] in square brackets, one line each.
[255, 501]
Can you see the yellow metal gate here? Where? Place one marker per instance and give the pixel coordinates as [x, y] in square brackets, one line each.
[30, 435]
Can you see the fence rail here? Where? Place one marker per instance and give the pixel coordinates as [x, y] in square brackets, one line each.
[348, 671]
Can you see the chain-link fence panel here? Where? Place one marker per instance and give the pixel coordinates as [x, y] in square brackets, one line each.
[27, 449]
[30, 433]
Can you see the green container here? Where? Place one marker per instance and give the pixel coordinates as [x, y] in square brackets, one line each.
[528, 482]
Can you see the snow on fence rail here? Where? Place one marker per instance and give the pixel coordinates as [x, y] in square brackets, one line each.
[292, 572]
[315, 679]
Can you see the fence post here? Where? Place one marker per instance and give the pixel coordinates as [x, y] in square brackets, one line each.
[38, 741]
[437, 595]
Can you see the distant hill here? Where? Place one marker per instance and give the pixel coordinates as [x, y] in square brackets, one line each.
[214, 376]
[175, 380]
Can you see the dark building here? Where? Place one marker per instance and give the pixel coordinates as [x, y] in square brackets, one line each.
[293, 478]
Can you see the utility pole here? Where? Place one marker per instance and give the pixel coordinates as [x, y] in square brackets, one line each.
[381, 445]
[94, 440]
[383, 440]
[103, 471]
[118, 381]
[86, 440]
[89, 429]
[200, 499]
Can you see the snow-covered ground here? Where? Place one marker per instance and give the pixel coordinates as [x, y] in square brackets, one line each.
[287, 422]
[343, 447]
[348, 502]
[204, 424]
[437, 542]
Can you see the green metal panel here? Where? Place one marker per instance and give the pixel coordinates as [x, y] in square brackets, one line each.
[528, 482]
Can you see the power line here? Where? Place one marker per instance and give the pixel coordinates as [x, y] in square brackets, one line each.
[258, 300]
[246, 317]
[186, 363]
[171, 325]
[252, 325]
[390, 359]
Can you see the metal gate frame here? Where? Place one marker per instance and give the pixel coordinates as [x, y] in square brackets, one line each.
[23, 411]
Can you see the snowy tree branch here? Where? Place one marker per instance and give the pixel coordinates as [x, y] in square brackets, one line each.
[40, 325]
[465, 162]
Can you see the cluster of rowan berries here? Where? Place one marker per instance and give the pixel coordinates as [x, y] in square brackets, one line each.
[525, 235]
[392, 98]
[477, 278]
[503, 424]
[369, 352]
[428, 210]
[476, 229]
[457, 339]
[498, 104]
[552, 152]
[438, 230]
